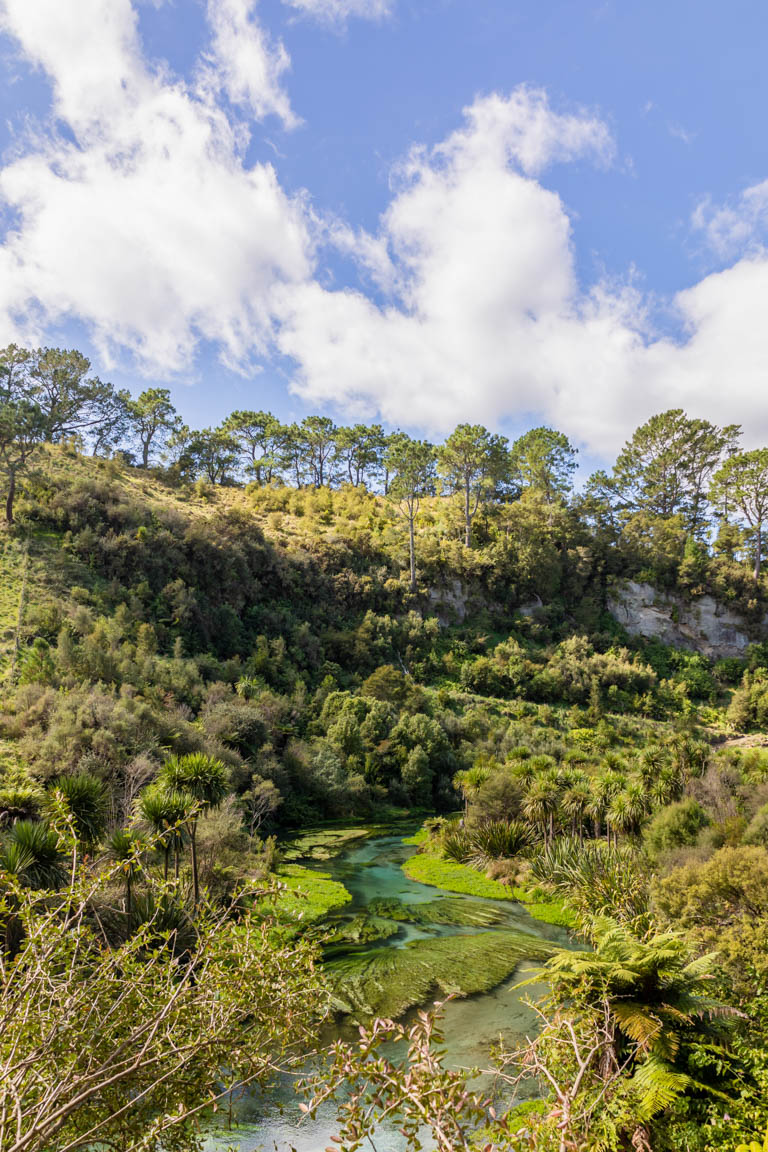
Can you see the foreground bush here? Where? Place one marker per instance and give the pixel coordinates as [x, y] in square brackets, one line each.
[123, 1039]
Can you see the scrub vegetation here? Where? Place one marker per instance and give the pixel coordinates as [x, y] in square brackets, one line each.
[229, 655]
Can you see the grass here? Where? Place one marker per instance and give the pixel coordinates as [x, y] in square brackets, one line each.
[452, 877]
[418, 838]
[308, 897]
[554, 912]
[439, 873]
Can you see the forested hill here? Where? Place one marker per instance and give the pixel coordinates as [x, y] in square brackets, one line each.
[211, 640]
[277, 627]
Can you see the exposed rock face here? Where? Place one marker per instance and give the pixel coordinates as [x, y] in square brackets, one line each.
[702, 625]
[449, 602]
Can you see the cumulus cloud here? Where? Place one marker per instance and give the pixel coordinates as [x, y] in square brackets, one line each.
[245, 63]
[140, 218]
[135, 212]
[486, 319]
[738, 225]
[338, 11]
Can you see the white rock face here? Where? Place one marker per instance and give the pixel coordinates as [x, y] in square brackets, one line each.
[449, 601]
[703, 625]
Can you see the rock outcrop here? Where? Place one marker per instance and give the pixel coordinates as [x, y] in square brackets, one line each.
[702, 624]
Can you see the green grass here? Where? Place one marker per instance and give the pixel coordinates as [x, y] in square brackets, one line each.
[439, 873]
[418, 838]
[554, 912]
[309, 896]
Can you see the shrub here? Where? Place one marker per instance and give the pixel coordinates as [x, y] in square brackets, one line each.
[676, 826]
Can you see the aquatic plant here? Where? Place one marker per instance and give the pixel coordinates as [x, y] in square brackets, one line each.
[388, 981]
[453, 877]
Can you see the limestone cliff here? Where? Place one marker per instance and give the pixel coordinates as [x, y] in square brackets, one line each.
[701, 624]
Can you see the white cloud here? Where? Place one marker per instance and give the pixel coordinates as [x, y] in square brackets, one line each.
[244, 61]
[487, 319]
[740, 224]
[337, 11]
[142, 220]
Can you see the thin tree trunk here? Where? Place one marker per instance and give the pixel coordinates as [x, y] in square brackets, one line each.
[193, 850]
[412, 546]
[145, 454]
[12, 494]
[758, 558]
[467, 518]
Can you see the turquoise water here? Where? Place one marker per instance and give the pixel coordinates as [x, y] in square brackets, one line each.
[372, 870]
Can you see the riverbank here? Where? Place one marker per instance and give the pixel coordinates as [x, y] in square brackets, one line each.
[429, 868]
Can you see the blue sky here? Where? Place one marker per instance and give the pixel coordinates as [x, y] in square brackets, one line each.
[422, 211]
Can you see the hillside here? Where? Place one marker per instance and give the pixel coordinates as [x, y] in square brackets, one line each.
[270, 639]
[276, 627]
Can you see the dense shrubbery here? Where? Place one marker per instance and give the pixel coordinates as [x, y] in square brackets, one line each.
[198, 667]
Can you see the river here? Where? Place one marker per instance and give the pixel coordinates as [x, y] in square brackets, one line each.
[371, 871]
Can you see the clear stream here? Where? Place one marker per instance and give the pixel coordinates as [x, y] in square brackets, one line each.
[371, 870]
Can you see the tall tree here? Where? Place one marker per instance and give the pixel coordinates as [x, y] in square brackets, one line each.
[261, 439]
[360, 449]
[317, 441]
[665, 468]
[475, 463]
[153, 418]
[57, 380]
[212, 453]
[744, 476]
[204, 780]
[23, 428]
[412, 470]
[544, 460]
[114, 425]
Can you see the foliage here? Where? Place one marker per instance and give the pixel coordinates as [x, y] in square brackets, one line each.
[130, 1043]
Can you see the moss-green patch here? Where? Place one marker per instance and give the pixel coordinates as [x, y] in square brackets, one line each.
[439, 873]
[358, 932]
[323, 844]
[308, 895]
[418, 838]
[554, 912]
[389, 981]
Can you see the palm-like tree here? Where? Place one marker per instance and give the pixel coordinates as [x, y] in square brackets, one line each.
[652, 761]
[163, 811]
[86, 802]
[688, 755]
[30, 857]
[575, 805]
[540, 805]
[666, 786]
[124, 848]
[470, 781]
[32, 852]
[20, 799]
[204, 780]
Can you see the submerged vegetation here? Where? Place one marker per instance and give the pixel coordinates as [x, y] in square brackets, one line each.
[228, 656]
[387, 981]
